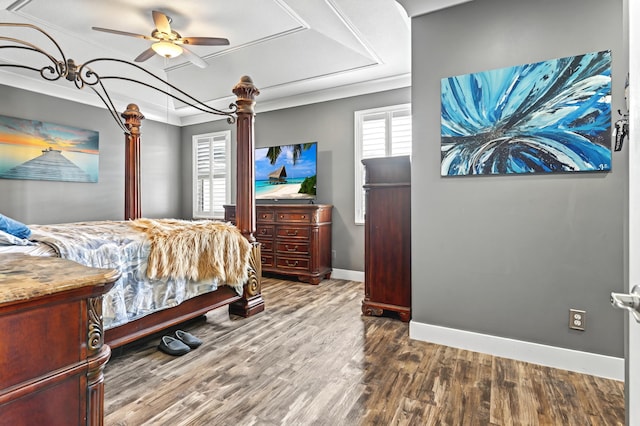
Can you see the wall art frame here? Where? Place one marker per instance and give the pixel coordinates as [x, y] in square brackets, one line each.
[546, 117]
[38, 150]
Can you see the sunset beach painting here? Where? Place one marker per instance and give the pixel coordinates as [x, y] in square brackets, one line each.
[36, 150]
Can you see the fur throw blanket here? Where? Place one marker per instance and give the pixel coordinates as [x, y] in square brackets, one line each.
[196, 250]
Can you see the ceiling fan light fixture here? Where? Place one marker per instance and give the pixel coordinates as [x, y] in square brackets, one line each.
[167, 49]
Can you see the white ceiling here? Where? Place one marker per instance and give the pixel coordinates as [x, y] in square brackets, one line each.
[296, 51]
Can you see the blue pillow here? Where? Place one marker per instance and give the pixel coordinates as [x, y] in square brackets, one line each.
[13, 227]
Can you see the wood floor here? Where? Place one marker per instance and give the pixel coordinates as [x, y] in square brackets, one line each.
[312, 359]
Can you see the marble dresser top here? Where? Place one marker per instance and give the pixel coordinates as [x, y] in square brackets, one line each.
[24, 277]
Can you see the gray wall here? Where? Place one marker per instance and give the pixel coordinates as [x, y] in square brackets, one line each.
[331, 124]
[44, 202]
[509, 255]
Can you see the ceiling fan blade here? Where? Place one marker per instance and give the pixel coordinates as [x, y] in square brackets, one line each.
[205, 41]
[195, 59]
[162, 22]
[145, 55]
[125, 33]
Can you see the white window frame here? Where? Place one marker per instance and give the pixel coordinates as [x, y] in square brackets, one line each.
[216, 212]
[358, 167]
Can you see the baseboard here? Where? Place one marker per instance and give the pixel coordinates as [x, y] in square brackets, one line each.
[345, 274]
[566, 359]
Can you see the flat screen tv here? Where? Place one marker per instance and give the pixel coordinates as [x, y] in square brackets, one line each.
[286, 172]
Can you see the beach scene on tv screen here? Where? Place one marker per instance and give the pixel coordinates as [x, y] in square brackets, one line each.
[286, 172]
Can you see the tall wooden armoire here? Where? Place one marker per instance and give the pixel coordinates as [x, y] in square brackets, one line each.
[387, 247]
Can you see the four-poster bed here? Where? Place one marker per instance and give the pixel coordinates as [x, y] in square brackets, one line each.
[243, 298]
[66, 380]
[251, 301]
[170, 270]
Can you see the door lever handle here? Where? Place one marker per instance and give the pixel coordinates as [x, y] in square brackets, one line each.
[630, 302]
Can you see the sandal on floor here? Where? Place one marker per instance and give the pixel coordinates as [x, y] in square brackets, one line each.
[188, 339]
[173, 346]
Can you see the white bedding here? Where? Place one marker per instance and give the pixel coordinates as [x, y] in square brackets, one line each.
[38, 249]
[114, 244]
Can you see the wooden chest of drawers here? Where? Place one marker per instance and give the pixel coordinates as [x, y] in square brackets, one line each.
[387, 236]
[295, 239]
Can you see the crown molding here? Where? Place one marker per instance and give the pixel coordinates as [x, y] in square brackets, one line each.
[334, 93]
[421, 7]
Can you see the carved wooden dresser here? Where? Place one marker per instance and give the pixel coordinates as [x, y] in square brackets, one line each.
[51, 341]
[295, 239]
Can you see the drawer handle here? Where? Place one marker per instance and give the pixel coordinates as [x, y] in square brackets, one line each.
[263, 259]
[264, 216]
[292, 263]
[281, 216]
[289, 248]
[292, 234]
[263, 231]
[303, 217]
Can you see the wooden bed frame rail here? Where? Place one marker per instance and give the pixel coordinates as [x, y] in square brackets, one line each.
[251, 301]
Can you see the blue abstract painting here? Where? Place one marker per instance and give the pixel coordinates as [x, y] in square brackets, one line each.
[545, 117]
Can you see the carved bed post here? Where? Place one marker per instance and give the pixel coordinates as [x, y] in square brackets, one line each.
[245, 192]
[132, 206]
[252, 301]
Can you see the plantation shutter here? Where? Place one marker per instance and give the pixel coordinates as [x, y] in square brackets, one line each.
[401, 132]
[374, 135]
[211, 166]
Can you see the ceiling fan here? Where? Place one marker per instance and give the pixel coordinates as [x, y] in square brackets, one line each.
[169, 43]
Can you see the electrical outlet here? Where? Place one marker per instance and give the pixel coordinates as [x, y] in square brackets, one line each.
[577, 319]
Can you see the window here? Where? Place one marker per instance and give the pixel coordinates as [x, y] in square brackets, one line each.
[380, 132]
[211, 174]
